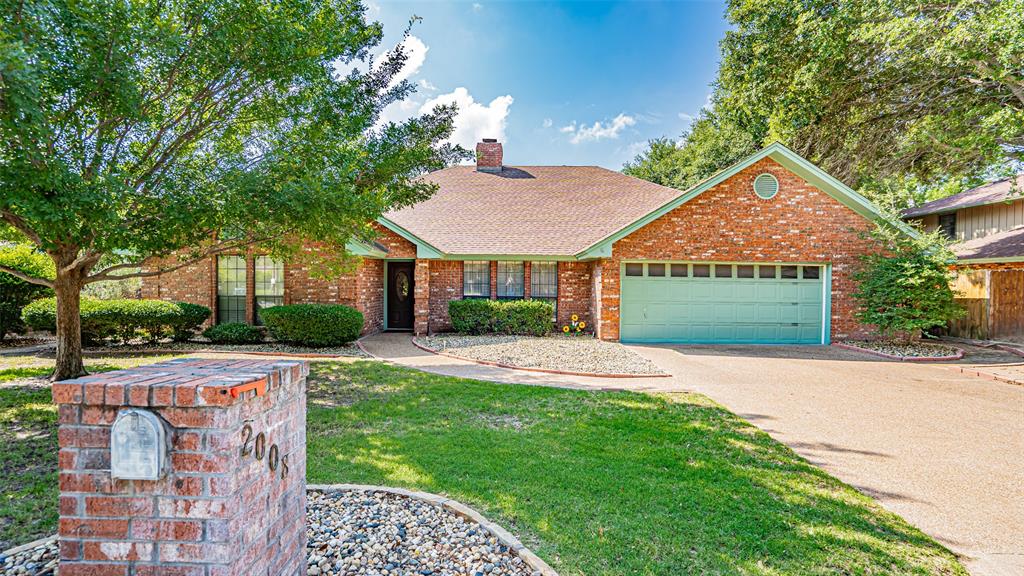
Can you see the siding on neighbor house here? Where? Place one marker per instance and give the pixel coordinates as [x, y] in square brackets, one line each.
[980, 221]
[729, 223]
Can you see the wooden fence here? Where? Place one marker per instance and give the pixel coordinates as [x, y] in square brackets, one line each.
[994, 300]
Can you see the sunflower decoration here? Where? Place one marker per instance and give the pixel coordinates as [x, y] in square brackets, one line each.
[575, 326]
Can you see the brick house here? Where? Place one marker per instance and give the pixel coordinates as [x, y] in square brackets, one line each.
[761, 252]
[986, 225]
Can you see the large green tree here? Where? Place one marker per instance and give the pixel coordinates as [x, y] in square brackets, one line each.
[138, 132]
[899, 95]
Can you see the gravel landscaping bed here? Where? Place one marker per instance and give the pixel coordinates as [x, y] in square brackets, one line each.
[39, 560]
[349, 350]
[357, 533]
[564, 353]
[376, 533]
[905, 349]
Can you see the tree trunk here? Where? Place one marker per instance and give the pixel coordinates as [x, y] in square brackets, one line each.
[68, 289]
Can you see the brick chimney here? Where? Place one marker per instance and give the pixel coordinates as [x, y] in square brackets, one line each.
[488, 155]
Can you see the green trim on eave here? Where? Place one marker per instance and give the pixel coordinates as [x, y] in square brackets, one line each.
[423, 248]
[787, 159]
[360, 248]
[1006, 259]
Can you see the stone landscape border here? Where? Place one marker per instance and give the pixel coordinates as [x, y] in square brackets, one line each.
[426, 348]
[957, 356]
[28, 546]
[538, 566]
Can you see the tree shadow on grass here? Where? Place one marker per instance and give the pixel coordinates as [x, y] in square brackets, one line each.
[603, 483]
[28, 465]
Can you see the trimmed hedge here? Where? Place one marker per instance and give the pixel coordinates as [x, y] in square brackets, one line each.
[15, 293]
[473, 315]
[520, 317]
[122, 320]
[315, 325]
[233, 333]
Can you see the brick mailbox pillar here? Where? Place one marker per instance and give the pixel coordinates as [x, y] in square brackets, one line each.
[230, 498]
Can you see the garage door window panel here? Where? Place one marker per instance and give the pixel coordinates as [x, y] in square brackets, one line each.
[767, 272]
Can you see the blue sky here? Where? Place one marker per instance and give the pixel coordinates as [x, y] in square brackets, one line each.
[559, 82]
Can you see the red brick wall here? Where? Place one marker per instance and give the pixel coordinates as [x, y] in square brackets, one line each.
[445, 286]
[195, 283]
[421, 297]
[362, 289]
[574, 289]
[397, 246]
[369, 294]
[218, 511]
[730, 223]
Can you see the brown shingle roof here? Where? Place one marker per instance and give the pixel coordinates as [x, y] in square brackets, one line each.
[1006, 244]
[990, 193]
[528, 210]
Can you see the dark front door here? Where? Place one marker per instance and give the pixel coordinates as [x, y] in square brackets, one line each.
[400, 295]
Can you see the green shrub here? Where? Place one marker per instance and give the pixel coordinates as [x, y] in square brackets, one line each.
[313, 324]
[188, 321]
[122, 320]
[524, 317]
[233, 333]
[904, 288]
[15, 293]
[472, 315]
[521, 317]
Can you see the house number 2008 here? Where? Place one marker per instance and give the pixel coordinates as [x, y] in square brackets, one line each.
[258, 449]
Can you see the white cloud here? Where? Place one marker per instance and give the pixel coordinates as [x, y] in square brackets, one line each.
[477, 6]
[416, 54]
[599, 130]
[427, 85]
[548, 122]
[685, 117]
[372, 8]
[475, 120]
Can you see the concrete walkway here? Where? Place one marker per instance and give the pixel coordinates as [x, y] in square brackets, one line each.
[942, 448]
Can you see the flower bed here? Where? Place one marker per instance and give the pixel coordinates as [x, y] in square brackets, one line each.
[907, 351]
[568, 354]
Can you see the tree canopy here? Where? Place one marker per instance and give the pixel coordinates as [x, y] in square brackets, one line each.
[905, 100]
[133, 130]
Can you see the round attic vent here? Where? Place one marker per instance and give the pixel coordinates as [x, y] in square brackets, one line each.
[766, 186]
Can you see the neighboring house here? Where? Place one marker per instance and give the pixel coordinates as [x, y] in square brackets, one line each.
[987, 225]
[761, 253]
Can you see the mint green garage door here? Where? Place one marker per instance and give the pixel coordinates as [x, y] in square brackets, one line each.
[723, 303]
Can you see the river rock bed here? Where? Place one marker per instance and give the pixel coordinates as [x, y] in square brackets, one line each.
[361, 533]
[38, 560]
[906, 349]
[381, 534]
[565, 353]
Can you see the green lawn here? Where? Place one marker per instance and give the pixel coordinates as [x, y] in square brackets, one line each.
[597, 483]
[602, 483]
[28, 434]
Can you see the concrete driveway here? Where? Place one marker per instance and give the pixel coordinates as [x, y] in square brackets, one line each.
[943, 449]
